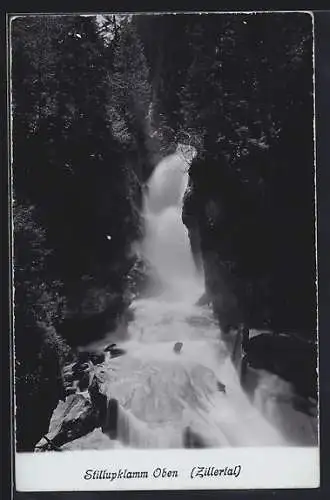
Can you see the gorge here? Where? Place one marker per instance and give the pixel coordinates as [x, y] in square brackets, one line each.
[157, 396]
[164, 230]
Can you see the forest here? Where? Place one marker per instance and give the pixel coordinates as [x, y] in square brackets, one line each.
[97, 102]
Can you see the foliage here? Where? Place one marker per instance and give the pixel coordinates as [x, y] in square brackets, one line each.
[72, 151]
[39, 350]
[128, 85]
[77, 189]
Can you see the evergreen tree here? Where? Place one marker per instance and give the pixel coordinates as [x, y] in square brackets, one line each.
[129, 85]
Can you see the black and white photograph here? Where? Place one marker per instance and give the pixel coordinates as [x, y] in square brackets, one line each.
[165, 327]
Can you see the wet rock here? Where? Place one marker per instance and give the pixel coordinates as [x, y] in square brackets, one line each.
[110, 425]
[95, 440]
[110, 347]
[285, 355]
[79, 368]
[221, 387]
[97, 397]
[70, 390]
[97, 358]
[114, 350]
[68, 378]
[178, 347]
[83, 382]
[77, 377]
[192, 439]
[307, 406]
[67, 370]
[203, 300]
[117, 352]
[73, 418]
[129, 315]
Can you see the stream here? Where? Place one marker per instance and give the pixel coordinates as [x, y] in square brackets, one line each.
[176, 384]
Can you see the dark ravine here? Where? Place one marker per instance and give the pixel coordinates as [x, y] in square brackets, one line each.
[86, 144]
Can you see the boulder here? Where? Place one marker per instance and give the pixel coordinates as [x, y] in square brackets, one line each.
[192, 439]
[68, 379]
[221, 387]
[84, 380]
[80, 368]
[73, 418]
[95, 440]
[177, 347]
[117, 352]
[109, 347]
[203, 300]
[70, 390]
[287, 356]
[114, 350]
[97, 358]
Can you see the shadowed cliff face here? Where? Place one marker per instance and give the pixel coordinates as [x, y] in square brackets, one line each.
[257, 268]
[257, 271]
[209, 211]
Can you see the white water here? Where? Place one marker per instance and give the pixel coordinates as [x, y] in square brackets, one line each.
[166, 245]
[164, 396]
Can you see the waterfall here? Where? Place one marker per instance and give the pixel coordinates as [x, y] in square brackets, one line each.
[163, 397]
[166, 245]
[175, 401]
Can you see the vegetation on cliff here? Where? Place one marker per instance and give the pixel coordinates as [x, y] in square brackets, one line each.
[80, 155]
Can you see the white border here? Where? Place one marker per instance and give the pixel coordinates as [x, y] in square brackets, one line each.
[261, 468]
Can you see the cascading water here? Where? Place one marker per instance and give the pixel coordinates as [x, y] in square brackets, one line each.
[190, 398]
[166, 245]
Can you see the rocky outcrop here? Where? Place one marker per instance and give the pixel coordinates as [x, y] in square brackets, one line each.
[77, 375]
[73, 418]
[131, 402]
[289, 357]
[95, 440]
[204, 214]
[253, 276]
[114, 351]
[252, 272]
[177, 347]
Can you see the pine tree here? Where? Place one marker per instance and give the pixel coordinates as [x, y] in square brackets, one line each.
[129, 87]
